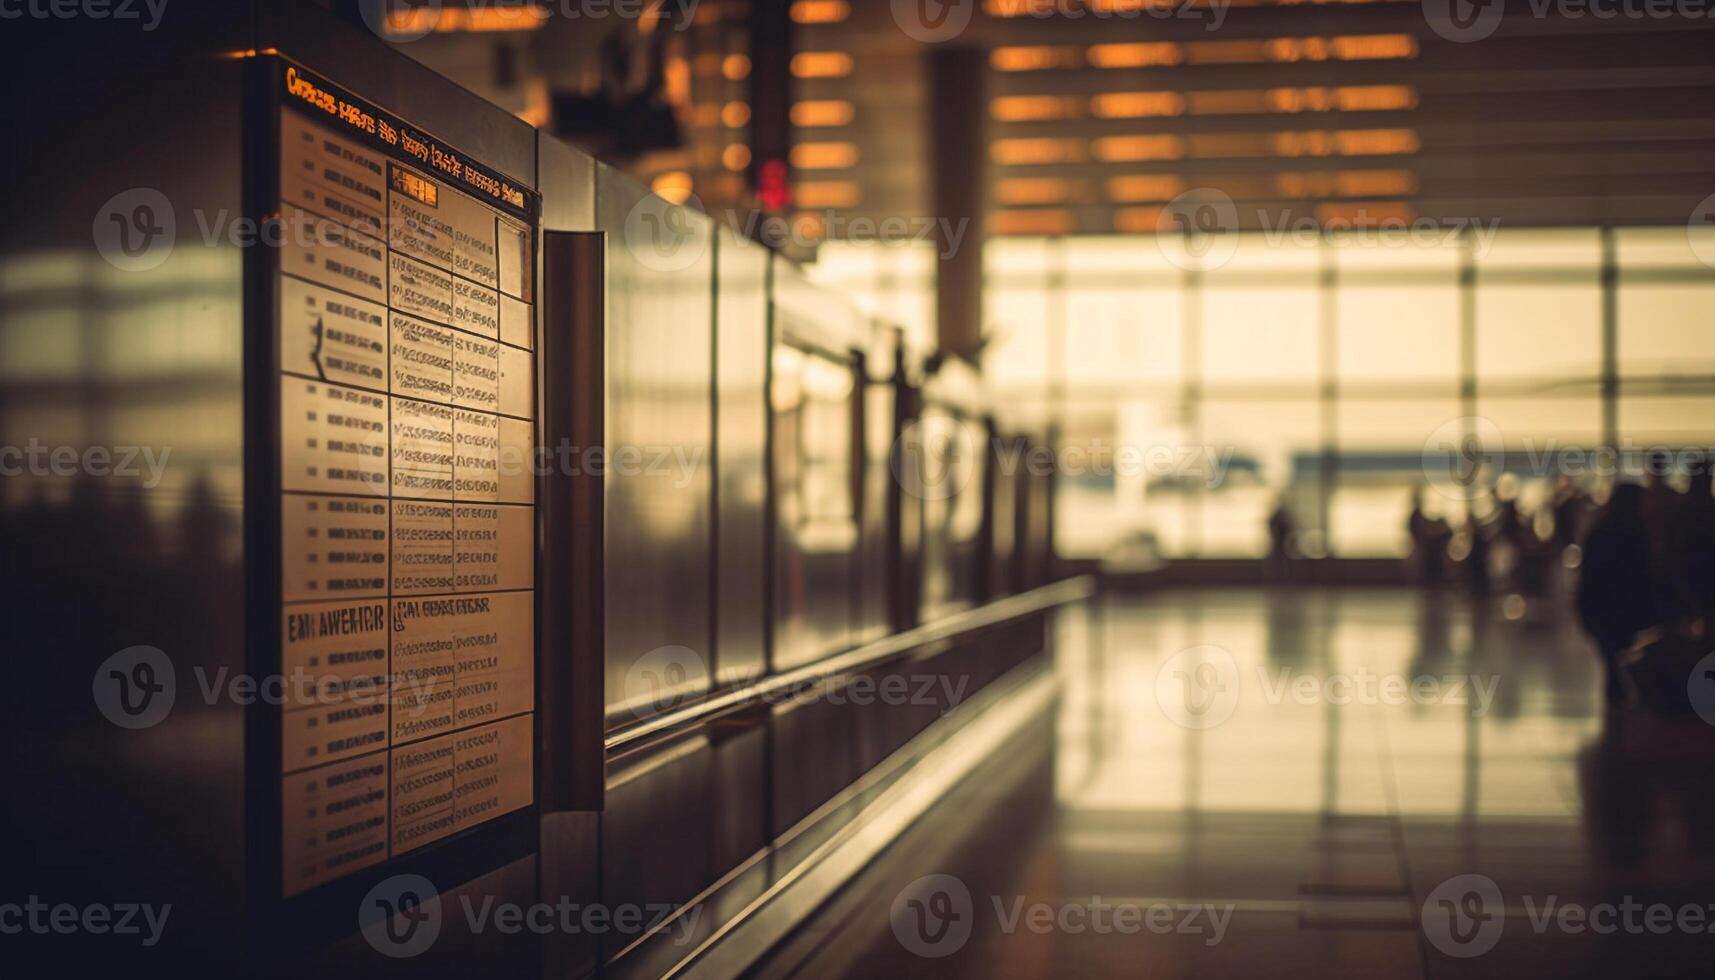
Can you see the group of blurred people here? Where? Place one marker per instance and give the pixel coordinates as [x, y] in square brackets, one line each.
[1641, 564]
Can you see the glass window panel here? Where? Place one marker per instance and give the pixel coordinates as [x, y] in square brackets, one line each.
[1391, 333]
[1260, 450]
[1532, 426]
[1259, 252]
[1665, 248]
[1012, 257]
[1666, 329]
[1538, 331]
[1260, 334]
[1358, 254]
[1018, 320]
[1123, 258]
[1381, 444]
[1539, 248]
[1667, 420]
[1118, 335]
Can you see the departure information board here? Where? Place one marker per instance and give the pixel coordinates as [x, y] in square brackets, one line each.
[407, 407]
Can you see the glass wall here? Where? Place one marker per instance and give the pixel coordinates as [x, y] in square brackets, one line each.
[1309, 376]
[1199, 394]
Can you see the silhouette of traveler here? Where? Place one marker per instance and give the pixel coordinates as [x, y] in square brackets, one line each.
[1429, 536]
[1281, 529]
[1615, 598]
[1689, 555]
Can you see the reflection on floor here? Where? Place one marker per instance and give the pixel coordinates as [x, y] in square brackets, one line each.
[1304, 784]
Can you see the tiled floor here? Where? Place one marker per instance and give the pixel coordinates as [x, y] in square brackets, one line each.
[1305, 783]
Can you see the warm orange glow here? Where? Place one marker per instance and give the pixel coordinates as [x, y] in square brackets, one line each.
[827, 194]
[735, 67]
[1042, 221]
[677, 75]
[1228, 102]
[824, 156]
[1135, 55]
[1375, 142]
[1137, 105]
[1145, 187]
[1137, 221]
[675, 186]
[735, 114]
[1032, 190]
[821, 64]
[1346, 183]
[1227, 52]
[1346, 47]
[1346, 98]
[822, 112]
[736, 156]
[1039, 150]
[1125, 149]
[820, 11]
[474, 20]
[1367, 213]
[706, 114]
[1024, 108]
[1375, 47]
[1034, 58]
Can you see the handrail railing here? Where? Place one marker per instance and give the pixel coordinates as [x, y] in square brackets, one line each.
[860, 658]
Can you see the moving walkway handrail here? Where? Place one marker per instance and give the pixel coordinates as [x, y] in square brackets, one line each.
[991, 614]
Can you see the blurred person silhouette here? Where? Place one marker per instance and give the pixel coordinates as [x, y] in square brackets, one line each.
[1281, 530]
[1429, 537]
[1476, 555]
[1615, 597]
[1689, 555]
